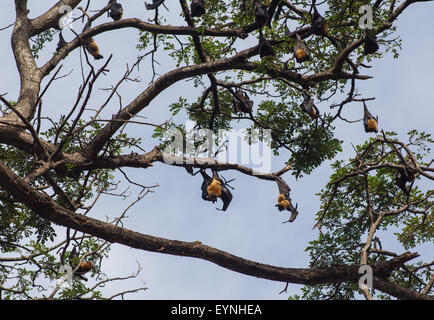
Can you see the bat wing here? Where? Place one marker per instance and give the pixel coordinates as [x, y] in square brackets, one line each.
[206, 182]
[294, 211]
[226, 197]
[283, 186]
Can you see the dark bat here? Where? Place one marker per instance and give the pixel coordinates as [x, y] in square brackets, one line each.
[116, 11]
[213, 188]
[403, 176]
[242, 103]
[369, 122]
[61, 42]
[309, 107]
[319, 23]
[371, 44]
[197, 8]
[154, 5]
[301, 51]
[265, 48]
[283, 200]
[261, 14]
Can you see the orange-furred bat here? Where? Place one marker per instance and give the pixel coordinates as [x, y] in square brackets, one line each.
[301, 51]
[283, 199]
[93, 49]
[213, 188]
[369, 122]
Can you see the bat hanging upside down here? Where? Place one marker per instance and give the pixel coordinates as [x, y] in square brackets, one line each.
[319, 23]
[370, 123]
[116, 11]
[283, 199]
[261, 14]
[84, 267]
[403, 176]
[301, 51]
[213, 188]
[197, 8]
[93, 49]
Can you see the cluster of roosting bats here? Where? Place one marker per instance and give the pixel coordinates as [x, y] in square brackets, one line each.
[214, 187]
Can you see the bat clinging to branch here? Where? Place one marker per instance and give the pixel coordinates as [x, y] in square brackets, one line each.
[213, 188]
[283, 199]
[116, 11]
[370, 123]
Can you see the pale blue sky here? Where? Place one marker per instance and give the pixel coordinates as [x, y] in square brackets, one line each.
[251, 228]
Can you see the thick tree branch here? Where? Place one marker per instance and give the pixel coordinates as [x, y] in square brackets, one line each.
[47, 209]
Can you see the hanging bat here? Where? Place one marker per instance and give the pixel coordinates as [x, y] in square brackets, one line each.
[319, 23]
[371, 44]
[61, 42]
[370, 123]
[261, 14]
[265, 48]
[93, 49]
[301, 51]
[283, 199]
[154, 5]
[403, 176]
[90, 43]
[116, 11]
[309, 107]
[197, 8]
[84, 267]
[213, 188]
[242, 103]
